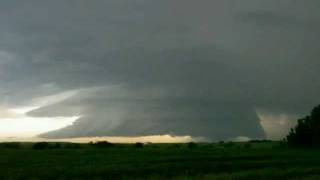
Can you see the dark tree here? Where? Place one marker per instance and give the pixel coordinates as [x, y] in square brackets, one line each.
[138, 145]
[192, 145]
[307, 132]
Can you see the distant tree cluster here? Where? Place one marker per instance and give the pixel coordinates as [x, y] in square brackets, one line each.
[10, 145]
[102, 144]
[54, 145]
[307, 132]
[46, 145]
[139, 145]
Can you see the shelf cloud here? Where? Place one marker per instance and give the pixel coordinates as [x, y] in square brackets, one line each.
[176, 67]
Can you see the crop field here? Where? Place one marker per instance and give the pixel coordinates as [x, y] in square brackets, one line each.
[254, 160]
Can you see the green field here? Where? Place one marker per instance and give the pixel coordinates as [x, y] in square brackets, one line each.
[258, 160]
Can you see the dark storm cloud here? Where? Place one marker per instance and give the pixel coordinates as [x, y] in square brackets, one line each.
[199, 68]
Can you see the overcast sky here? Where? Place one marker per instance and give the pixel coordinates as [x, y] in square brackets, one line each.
[217, 69]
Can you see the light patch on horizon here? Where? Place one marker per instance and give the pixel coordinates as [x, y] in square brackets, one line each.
[241, 139]
[143, 139]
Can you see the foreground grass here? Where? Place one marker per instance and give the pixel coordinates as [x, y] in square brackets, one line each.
[156, 161]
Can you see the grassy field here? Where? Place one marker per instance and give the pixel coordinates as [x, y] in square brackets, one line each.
[256, 160]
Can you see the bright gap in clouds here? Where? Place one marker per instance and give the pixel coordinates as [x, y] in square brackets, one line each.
[24, 110]
[14, 122]
[18, 124]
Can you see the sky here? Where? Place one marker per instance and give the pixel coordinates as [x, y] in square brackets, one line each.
[208, 69]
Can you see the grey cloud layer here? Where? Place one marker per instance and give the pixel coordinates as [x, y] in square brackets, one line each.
[197, 68]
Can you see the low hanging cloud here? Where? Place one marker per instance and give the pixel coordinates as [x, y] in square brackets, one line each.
[135, 68]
